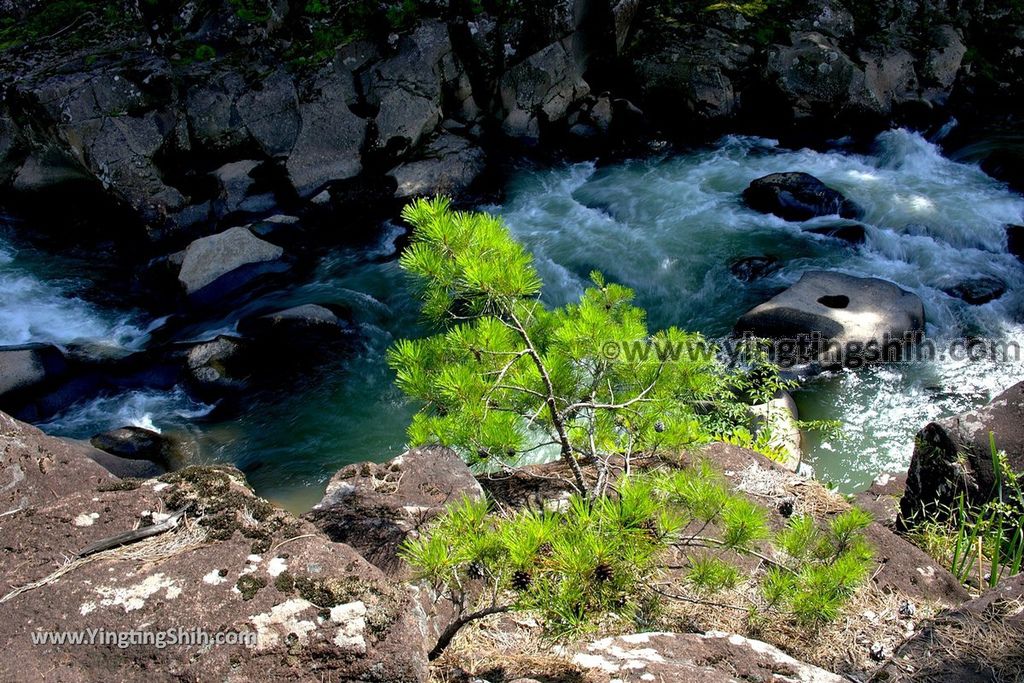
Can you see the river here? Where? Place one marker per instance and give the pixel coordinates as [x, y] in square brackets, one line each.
[668, 226]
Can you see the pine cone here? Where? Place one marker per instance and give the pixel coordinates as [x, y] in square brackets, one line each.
[603, 572]
[521, 580]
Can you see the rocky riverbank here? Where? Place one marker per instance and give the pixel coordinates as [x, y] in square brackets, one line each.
[326, 597]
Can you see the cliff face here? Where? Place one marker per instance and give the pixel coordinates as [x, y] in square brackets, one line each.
[184, 116]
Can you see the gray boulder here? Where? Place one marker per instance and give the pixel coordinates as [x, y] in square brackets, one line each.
[448, 165]
[235, 181]
[860, 316]
[690, 70]
[943, 60]
[541, 89]
[797, 196]
[270, 112]
[221, 264]
[406, 88]
[327, 147]
[953, 456]
[28, 368]
[814, 75]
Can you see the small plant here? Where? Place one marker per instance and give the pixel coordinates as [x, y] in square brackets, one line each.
[597, 560]
[506, 376]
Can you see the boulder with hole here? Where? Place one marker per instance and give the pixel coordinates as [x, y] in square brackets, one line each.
[836, 318]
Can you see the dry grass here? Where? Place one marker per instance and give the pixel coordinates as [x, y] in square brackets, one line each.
[871, 618]
[505, 647]
[988, 643]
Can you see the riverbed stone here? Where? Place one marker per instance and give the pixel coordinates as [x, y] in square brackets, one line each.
[221, 264]
[797, 196]
[298, 322]
[139, 443]
[851, 233]
[28, 368]
[853, 312]
[752, 268]
[977, 291]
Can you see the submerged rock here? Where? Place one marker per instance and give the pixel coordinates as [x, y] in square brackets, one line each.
[298, 324]
[798, 196]
[954, 456]
[219, 265]
[137, 443]
[754, 267]
[855, 314]
[854, 233]
[977, 291]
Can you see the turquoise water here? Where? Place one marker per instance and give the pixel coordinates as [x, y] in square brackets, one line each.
[669, 227]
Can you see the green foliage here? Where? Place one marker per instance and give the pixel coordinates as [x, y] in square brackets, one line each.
[68, 20]
[572, 568]
[204, 53]
[826, 566]
[505, 375]
[598, 559]
[981, 544]
[330, 24]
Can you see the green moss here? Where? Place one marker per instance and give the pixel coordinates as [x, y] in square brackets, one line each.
[248, 585]
[121, 485]
[222, 504]
[285, 582]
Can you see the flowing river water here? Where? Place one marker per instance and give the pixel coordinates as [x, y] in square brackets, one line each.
[667, 226]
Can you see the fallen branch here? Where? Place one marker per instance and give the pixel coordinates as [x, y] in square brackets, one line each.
[133, 536]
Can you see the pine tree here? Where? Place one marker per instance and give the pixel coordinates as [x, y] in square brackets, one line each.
[506, 375]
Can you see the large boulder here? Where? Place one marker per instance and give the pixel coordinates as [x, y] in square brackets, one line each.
[406, 88]
[815, 77]
[796, 196]
[714, 657]
[300, 607]
[541, 89]
[221, 264]
[448, 165]
[330, 137]
[954, 456]
[687, 73]
[374, 507]
[856, 317]
[27, 369]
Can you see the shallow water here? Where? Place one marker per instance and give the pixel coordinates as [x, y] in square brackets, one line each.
[669, 227]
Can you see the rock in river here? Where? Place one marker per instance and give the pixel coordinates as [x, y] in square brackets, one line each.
[221, 264]
[798, 197]
[850, 311]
